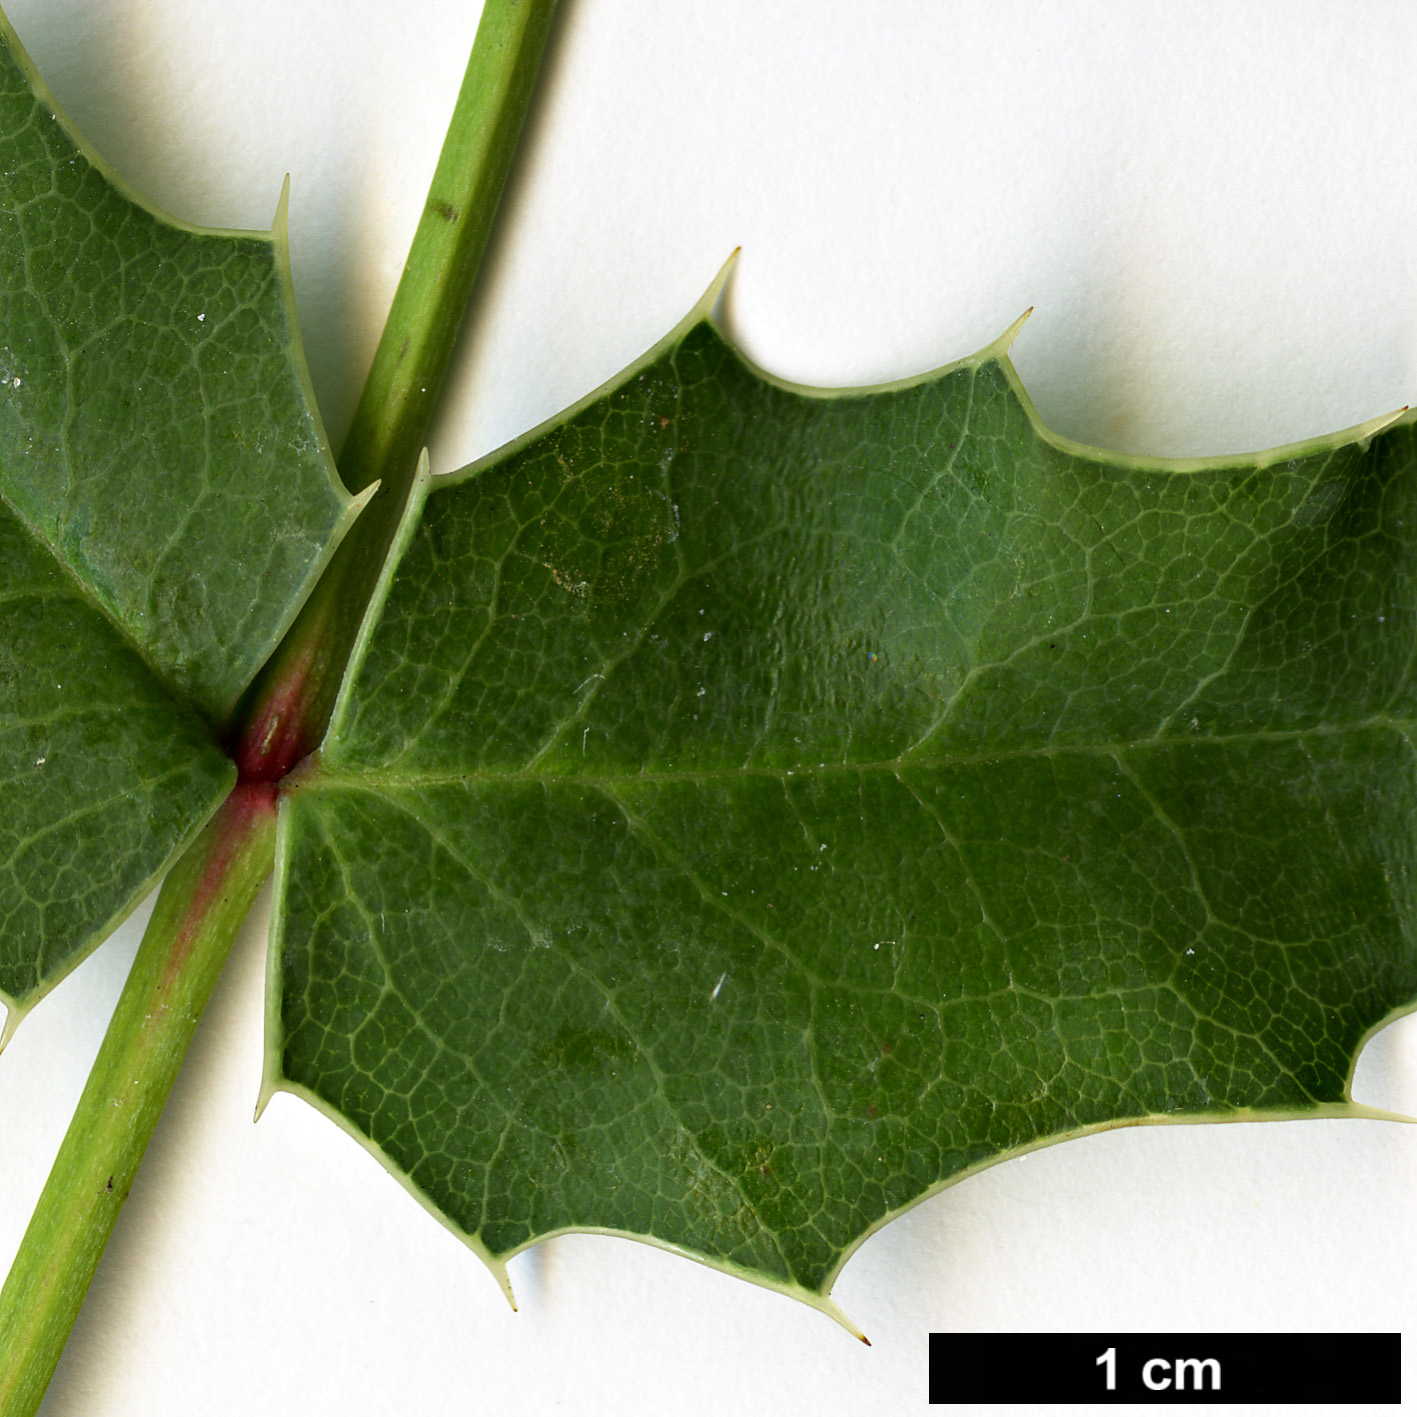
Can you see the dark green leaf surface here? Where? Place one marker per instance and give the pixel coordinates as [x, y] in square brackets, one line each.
[102, 777]
[752, 809]
[166, 503]
[156, 434]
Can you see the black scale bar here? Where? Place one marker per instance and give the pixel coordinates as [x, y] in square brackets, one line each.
[1097, 1368]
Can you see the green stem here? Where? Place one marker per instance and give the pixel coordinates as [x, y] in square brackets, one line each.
[387, 433]
[284, 715]
[200, 909]
[208, 893]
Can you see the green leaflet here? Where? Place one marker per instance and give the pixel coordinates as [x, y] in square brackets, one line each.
[166, 503]
[751, 809]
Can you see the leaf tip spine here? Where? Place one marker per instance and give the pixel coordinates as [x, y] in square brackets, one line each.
[834, 1311]
[1363, 1113]
[504, 1283]
[708, 301]
[269, 1087]
[13, 1015]
[1364, 433]
[280, 223]
[1001, 346]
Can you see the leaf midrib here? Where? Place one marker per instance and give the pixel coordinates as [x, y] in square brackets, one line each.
[323, 778]
[90, 597]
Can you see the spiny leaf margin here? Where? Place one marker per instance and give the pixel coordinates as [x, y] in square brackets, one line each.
[354, 762]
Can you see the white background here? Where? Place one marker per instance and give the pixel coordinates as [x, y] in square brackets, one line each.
[1213, 208]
